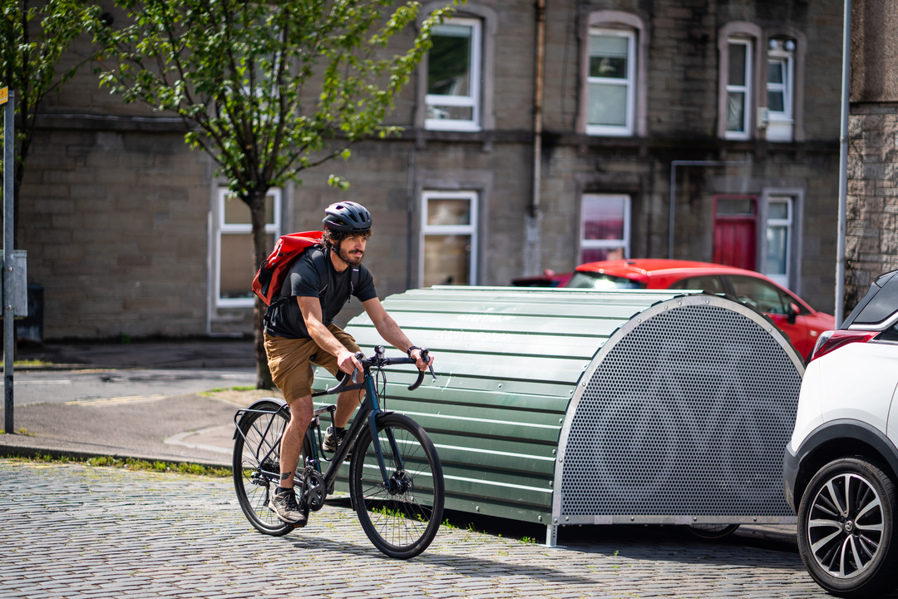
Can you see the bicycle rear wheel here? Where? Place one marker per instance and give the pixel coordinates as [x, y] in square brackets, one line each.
[401, 517]
[256, 465]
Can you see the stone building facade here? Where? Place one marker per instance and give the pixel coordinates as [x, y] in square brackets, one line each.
[871, 244]
[692, 129]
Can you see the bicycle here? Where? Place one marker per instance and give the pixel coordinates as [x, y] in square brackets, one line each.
[395, 477]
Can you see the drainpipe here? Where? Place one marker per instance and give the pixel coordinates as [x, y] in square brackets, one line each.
[843, 167]
[532, 253]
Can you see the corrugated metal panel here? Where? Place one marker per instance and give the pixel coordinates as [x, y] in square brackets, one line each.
[508, 363]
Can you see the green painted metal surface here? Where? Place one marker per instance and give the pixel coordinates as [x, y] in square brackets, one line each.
[508, 361]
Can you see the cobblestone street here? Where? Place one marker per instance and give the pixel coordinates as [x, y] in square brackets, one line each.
[73, 531]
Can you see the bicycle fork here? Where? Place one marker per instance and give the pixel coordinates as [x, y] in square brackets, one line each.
[390, 482]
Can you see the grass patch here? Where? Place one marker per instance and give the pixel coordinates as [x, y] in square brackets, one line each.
[133, 464]
[22, 431]
[34, 362]
[223, 389]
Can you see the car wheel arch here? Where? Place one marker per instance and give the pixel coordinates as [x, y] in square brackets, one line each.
[839, 439]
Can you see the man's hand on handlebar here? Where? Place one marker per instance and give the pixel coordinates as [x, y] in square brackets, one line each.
[421, 361]
[349, 363]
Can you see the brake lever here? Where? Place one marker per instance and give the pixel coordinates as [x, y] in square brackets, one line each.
[420, 379]
[358, 356]
[425, 355]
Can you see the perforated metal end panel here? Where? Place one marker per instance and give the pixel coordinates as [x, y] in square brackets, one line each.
[686, 411]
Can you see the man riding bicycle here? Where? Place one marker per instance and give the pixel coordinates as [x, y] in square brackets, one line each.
[301, 333]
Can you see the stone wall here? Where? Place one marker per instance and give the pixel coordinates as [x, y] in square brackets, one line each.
[871, 237]
[871, 240]
[115, 226]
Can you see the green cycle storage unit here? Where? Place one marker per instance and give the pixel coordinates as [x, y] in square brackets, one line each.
[563, 406]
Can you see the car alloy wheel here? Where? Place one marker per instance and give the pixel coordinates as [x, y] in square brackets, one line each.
[845, 525]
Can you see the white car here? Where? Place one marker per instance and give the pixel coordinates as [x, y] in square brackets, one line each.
[841, 465]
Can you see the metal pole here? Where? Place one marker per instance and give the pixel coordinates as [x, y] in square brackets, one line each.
[9, 323]
[843, 168]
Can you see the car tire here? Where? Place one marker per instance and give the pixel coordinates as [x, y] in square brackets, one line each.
[846, 525]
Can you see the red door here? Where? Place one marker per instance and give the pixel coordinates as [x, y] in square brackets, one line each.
[735, 231]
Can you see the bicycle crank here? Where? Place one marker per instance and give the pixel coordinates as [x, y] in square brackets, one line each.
[313, 490]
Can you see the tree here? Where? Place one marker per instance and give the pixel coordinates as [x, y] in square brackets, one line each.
[32, 41]
[267, 89]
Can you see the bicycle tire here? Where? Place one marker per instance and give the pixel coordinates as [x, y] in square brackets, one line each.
[254, 489]
[403, 523]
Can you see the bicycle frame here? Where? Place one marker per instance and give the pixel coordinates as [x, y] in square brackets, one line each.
[367, 415]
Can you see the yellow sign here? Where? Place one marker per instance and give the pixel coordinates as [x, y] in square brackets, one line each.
[4, 95]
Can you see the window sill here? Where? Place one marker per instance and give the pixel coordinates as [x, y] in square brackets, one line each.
[602, 132]
[222, 303]
[441, 125]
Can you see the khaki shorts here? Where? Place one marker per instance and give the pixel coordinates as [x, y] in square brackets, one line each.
[291, 360]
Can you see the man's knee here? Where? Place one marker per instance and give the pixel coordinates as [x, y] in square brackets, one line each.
[301, 410]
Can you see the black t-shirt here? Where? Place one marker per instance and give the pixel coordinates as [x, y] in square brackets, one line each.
[313, 275]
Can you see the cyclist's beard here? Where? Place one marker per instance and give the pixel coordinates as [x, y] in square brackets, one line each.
[352, 258]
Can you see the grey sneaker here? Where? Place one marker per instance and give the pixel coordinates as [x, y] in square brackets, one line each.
[332, 439]
[284, 505]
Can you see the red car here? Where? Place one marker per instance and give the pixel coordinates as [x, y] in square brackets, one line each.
[799, 321]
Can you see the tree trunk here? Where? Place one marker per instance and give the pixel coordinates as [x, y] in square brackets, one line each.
[261, 250]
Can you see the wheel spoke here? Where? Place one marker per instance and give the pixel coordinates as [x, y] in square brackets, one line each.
[837, 507]
[825, 540]
[868, 546]
[824, 524]
[873, 505]
[843, 556]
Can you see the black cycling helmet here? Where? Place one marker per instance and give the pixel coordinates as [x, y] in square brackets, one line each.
[347, 217]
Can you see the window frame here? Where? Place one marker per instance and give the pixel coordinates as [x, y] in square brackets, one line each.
[617, 21]
[629, 83]
[787, 223]
[474, 99]
[746, 89]
[598, 244]
[471, 229]
[739, 31]
[786, 88]
[781, 124]
[223, 228]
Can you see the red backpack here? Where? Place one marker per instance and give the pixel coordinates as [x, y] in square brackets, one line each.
[273, 270]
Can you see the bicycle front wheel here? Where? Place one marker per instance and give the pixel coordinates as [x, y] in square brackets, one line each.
[401, 515]
[256, 465]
